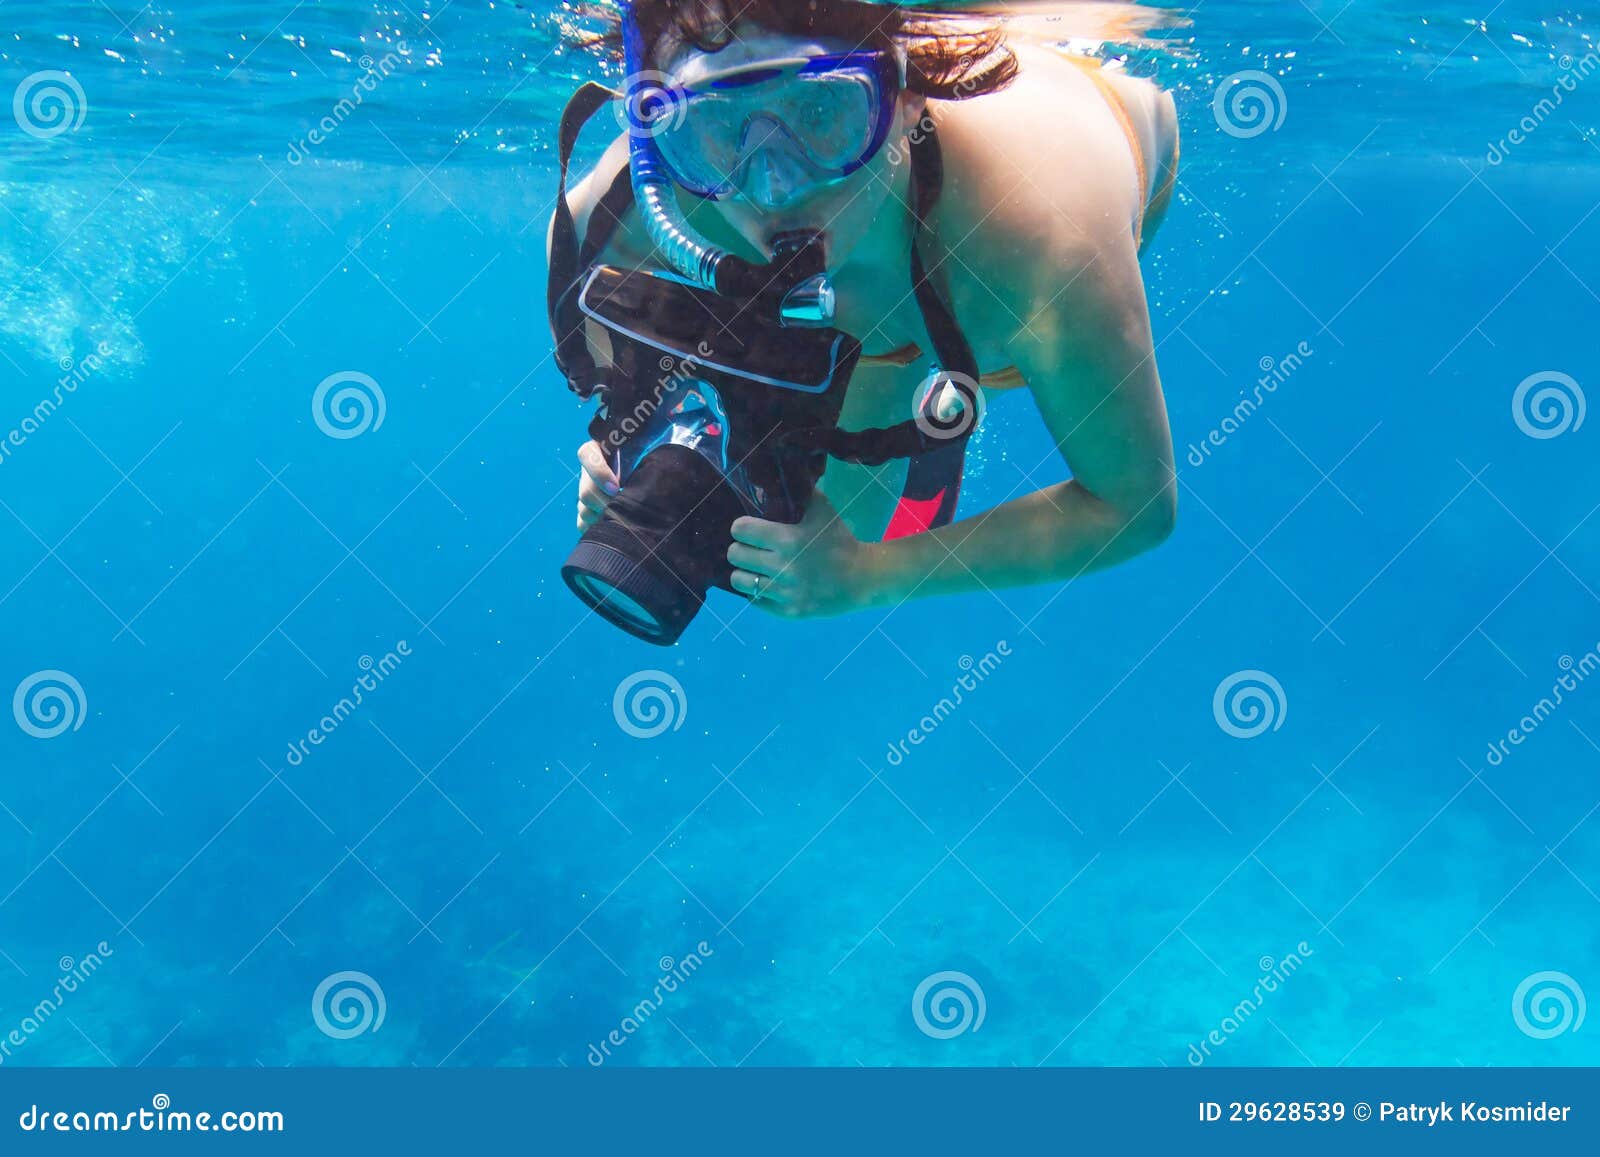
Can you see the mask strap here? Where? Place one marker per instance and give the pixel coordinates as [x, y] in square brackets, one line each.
[933, 479]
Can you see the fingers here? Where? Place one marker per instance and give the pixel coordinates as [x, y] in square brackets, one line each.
[591, 496]
[764, 535]
[593, 460]
[764, 593]
[596, 485]
[783, 537]
[755, 560]
[591, 503]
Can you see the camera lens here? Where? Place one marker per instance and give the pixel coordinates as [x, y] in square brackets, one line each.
[662, 543]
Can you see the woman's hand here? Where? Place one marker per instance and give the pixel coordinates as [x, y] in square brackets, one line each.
[596, 486]
[812, 570]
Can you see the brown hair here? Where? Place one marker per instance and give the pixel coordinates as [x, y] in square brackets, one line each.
[949, 57]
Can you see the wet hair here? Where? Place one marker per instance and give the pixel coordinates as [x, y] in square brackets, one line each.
[949, 57]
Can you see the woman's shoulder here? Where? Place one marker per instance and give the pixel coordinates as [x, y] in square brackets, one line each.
[1047, 190]
[1066, 160]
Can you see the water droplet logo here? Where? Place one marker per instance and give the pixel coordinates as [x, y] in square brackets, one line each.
[348, 1004]
[48, 703]
[1548, 404]
[1249, 103]
[948, 1004]
[649, 703]
[48, 104]
[1548, 1004]
[348, 404]
[1249, 703]
[949, 406]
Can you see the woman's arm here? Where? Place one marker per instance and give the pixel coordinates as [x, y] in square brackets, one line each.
[1092, 369]
[1089, 359]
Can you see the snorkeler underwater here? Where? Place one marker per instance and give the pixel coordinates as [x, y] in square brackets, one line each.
[818, 139]
[1086, 561]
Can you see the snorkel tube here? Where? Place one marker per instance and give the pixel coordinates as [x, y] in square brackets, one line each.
[793, 286]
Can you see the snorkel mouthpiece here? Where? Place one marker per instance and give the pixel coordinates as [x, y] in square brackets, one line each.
[800, 258]
[809, 305]
[793, 286]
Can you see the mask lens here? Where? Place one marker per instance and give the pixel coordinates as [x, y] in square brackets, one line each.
[832, 117]
[828, 119]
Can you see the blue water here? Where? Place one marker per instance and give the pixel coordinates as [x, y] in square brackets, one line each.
[485, 843]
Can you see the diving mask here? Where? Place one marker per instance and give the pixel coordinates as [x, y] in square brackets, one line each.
[762, 118]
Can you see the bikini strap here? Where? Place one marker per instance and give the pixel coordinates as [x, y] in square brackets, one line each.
[933, 478]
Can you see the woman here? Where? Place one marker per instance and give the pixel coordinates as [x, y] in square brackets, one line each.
[1055, 173]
